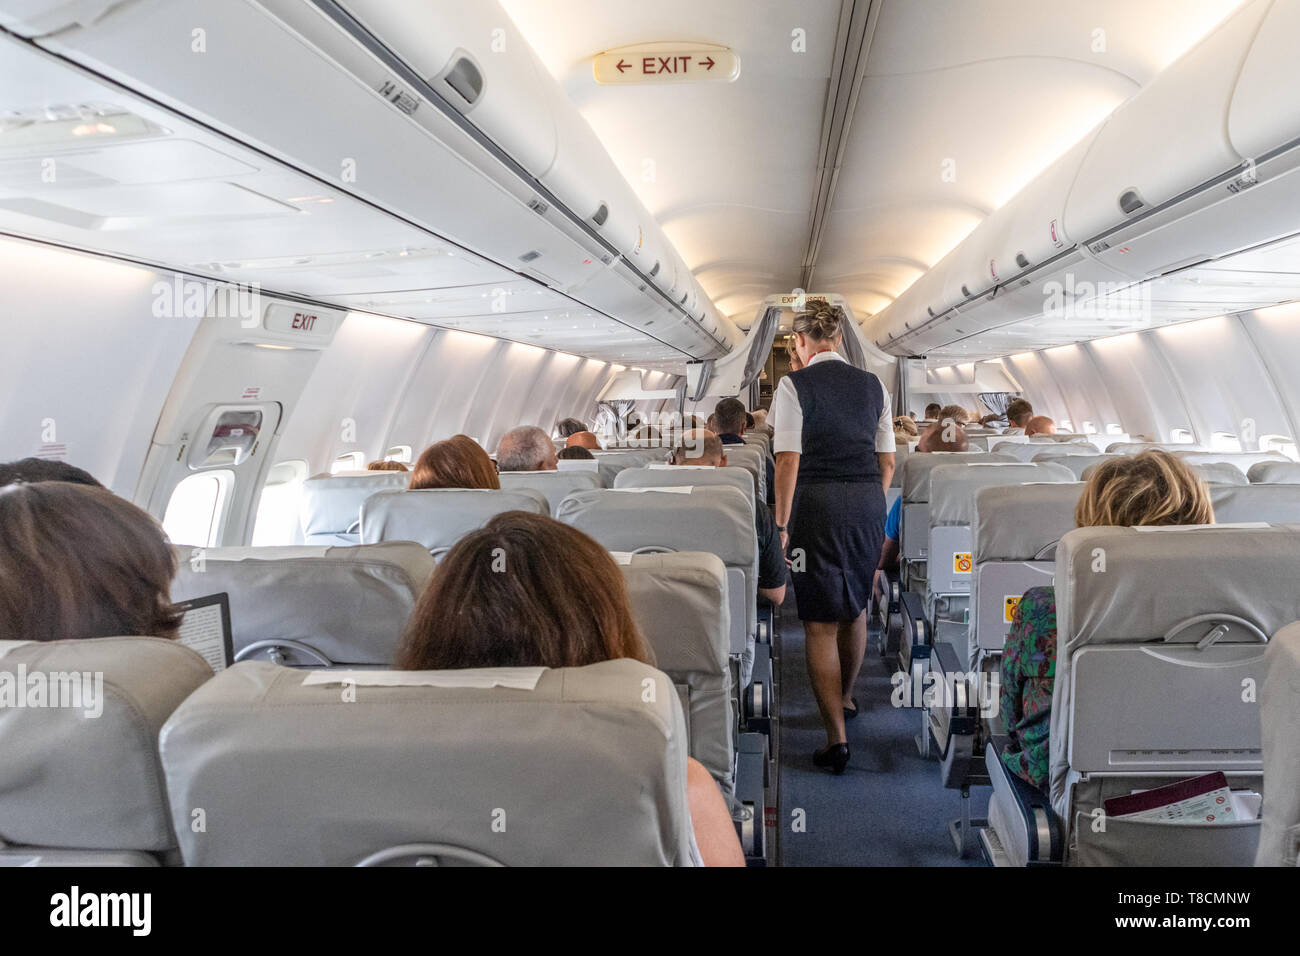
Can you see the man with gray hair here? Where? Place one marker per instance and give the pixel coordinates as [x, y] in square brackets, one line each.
[526, 448]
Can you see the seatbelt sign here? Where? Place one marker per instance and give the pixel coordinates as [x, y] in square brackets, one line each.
[961, 562]
[666, 63]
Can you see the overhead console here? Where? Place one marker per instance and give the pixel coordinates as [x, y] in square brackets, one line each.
[437, 113]
[1171, 209]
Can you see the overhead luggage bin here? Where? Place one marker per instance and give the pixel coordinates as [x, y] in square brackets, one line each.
[1265, 108]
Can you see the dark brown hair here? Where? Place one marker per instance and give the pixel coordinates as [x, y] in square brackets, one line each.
[523, 591]
[386, 466]
[458, 462]
[575, 453]
[1019, 412]
[77, 561]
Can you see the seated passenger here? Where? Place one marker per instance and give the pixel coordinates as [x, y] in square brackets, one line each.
[705, 448]
[31, 470]
[575, 453]
[569, 426]
[1040, 425]
[386, 466]
[1016, 416]
[932, 411]
[955, 412]
[526, 448]
[905, 430]
[732, 421]
[1153, 488]
[457, 462]
[77, 561]
[472, 614]
[583, 439]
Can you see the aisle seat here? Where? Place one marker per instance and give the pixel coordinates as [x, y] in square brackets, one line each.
[1243, 461]
[439, 517]
[1274, 473]
[578, 766]
[1279, 703]
[312, 606]
[1273, 504]
[1161, 633]
[82, 785]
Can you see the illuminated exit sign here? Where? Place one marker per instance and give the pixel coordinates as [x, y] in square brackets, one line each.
[666, 63]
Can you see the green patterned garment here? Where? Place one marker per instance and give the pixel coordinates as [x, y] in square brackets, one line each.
[1028, 672]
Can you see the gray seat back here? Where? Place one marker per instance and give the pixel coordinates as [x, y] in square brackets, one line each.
[680, 604]
[1279, 839]
[1242, 461]
[1220, 473]
[1079, 464]
[1274, 504]
[330, 506]
[312, 606]
[1158, 632]
[1137, 447]
[952, 511]
[1015, 532]
[554, 486]
[916, 494]
[439, 517]
[717, 520]
[586, 768]
[675, 476]
[1274, 473]
[752, 460]
[610, 463]
[86, 776]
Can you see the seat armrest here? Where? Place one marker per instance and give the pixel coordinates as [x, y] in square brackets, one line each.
[916, 626]
[1037, 836]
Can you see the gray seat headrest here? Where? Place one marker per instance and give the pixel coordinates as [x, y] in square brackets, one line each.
[676, 476]
[917, 466]
[1219, 473]
[70, 780]
[953, 487]
[554, 486]
[586, 768]
[1240, 460]
[1137, 447]
[439, 517]
[1080, 464]
[1274, 473]
[330, 506]
[1279, 839]
[348, 603]
[1022, 522]
[1274, 504]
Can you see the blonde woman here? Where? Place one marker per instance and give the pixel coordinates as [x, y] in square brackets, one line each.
[1153, 488]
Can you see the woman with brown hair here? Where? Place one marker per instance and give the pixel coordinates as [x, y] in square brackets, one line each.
[77, 561]
[457, 462]
[544, 611]
[1152, 488]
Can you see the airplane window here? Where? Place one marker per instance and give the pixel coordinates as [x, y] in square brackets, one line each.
[196, 508]
[352, 461]
[1225, 441]
[1089, 428]
[277, 508]
[1114, 429]
[1067, 425]
[1181, 436]
[400, 453]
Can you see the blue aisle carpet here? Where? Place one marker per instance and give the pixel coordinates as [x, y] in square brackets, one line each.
[889, 808]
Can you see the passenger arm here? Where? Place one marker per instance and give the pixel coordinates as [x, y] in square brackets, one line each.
[715, 832]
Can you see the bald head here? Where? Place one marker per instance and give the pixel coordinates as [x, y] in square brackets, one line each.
[582, 440]
[947, 434]
[1040, 425]
[699, 447]
[526, 448]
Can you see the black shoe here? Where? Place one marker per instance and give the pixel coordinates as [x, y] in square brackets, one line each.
[850, 714]
[835, 758]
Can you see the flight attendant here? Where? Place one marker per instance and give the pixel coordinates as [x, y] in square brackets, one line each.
[834, 444]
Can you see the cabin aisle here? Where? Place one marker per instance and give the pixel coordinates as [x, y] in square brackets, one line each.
[888, 809]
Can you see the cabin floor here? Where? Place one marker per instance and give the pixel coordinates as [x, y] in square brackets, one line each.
[889, 808]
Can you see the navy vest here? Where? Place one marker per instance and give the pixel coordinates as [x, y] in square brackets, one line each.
[841, 408]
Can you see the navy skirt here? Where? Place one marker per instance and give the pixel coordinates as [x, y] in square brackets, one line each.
[836, 532]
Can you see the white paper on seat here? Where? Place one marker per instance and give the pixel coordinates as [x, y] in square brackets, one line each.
[517, 678]
[577, 464]
[7, 646]
[663, 466]
[679, 490]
